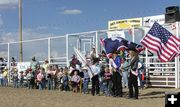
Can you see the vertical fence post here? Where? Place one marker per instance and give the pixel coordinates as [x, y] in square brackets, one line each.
[146, 60]
[67, 50]
[96, 44]
[147, 68]
[176, 73]
[49, 50]
[8, 63]
[177, 79]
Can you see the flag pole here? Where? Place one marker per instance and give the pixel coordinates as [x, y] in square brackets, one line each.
[20, 29]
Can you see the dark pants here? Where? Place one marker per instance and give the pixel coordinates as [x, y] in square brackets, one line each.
[117, 84]
[95, 85]
[133, 83]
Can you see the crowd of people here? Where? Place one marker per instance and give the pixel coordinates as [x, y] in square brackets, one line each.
[100, 75]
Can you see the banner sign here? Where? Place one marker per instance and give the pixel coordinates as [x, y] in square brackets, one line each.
[124, 24]
[23, 66]
[149, 21]
[116, 34]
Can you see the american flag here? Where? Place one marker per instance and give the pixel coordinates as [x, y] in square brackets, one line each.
[161, 41]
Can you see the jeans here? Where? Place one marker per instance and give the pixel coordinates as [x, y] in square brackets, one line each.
[40, 84]
[102, 86]
[5, 82]
[49, 83]
[108, 87]
[21, 82]
[85, 85]
[15, 83]
[125, 78]
[29, 84]
[1, 81]
[65, 86]
[53, 84]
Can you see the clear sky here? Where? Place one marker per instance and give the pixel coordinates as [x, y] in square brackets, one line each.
[44, 18]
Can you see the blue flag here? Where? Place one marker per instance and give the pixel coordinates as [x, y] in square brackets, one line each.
[118, 43]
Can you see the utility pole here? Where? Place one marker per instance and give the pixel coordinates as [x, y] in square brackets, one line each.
[20, 30]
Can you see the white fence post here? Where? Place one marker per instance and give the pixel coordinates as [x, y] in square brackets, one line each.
[177, 60]
[8, 63]
[67, 50]
[147, 68]
[176, 73]
[96, 44]
[49, 50]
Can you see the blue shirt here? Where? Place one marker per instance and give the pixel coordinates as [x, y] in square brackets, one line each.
[86, 75]
[117, 61]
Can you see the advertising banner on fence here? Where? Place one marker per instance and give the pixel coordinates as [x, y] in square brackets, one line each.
[124, 24]
[23, 66]
[149, 21]
[116, 34]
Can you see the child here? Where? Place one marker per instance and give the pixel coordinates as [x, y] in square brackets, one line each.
[75, 81]
[65, 80]
[40, 79]
[86, 79]
[15, 79]
[49, 78]
[21, 79]
[30, 80]
[124, 73]
[59, 78]
[108, 81]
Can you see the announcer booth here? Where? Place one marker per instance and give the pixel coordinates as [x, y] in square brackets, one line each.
[158, 74]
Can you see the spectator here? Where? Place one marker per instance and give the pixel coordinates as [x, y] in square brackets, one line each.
[1, 78]
[40, 79]
[65, 80]
[21, 79]
[75, 81]
[5, 77]
[15, 79]
[59, 78]
[49, 78]
[46, 65]
[95, 79]
[108, 82]
[124, 73]
[33, 64]
[30, 79]
[86, 80]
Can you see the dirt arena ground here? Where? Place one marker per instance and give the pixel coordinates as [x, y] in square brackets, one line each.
[9, 97]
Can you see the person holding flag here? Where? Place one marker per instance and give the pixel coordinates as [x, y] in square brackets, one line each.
[133, 75]
[116, 77]
[95, 70]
